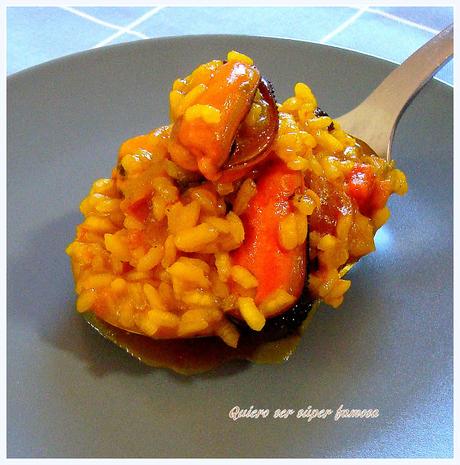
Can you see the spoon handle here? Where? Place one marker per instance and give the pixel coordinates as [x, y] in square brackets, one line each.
[385, 105]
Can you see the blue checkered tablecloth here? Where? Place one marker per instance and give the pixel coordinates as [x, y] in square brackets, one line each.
[39, 34]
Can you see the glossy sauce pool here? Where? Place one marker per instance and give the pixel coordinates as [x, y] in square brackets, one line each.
[197, 355]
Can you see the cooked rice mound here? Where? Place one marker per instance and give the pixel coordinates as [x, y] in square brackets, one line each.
[154, 252]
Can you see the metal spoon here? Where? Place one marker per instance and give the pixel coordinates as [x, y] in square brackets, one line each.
[373, 122]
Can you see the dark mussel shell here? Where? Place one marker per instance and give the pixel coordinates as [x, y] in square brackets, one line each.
[278, 326]
[250, 149]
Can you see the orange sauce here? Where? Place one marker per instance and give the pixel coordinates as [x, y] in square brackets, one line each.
[198, 355]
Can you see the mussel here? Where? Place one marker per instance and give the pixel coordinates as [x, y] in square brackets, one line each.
[231, 128]
[229, 147]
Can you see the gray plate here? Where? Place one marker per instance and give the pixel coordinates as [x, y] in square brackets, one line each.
[73, 394]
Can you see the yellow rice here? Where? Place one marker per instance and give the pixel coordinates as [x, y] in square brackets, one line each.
[171, 275]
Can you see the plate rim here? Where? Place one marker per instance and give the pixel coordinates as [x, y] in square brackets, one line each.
[190, 37]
